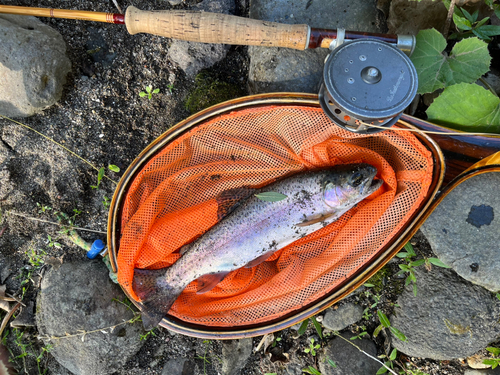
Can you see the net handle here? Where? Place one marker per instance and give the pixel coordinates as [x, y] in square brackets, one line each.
[208, 27]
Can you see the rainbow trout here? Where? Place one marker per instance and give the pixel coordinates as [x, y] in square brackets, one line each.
[254, 231]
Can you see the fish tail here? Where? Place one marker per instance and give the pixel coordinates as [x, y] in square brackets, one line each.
[156, 294]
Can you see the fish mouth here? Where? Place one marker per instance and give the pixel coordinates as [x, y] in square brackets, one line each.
[371, 187]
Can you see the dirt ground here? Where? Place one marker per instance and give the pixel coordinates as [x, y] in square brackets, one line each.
[102, 118]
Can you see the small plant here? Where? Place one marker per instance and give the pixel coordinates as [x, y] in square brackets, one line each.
[106, 202]
[43, 209]
[359, 336]
[385, 323]
[409, 267]
[305, 324]
[147, 334]
[36, 260]
[149, 92]
[312, 348]
[205, 357]
[388, 363]
[53, 243]
[23, 347]
[468, 25]
[100, 174]
[170, 88]
[276, 341]
[311, 370]
[493, 362]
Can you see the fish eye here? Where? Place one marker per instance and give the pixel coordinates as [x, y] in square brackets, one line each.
[356, 179]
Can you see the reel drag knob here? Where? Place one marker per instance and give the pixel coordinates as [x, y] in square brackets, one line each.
[367, 82]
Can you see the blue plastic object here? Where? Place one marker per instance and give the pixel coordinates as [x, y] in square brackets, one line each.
[96, 248]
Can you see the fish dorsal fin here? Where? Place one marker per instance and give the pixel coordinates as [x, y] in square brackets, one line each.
[229, 200]
[310, 220]
[207, 282]
[260, 259]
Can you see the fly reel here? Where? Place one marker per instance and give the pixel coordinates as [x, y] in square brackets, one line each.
[367, 82]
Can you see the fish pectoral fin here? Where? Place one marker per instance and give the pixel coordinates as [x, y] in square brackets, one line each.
[229, 200]
[310, 220]
[260, 259]
[207, 282]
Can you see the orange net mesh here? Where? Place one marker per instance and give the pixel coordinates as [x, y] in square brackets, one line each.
[171, 202]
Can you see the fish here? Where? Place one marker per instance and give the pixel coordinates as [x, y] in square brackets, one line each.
[254, 229]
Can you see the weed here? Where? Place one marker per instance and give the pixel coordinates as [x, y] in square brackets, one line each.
[149, 92]
[359, 336]
[205, 357]
[53, 243]
[312, 348]
[147, 334]
[27, 350]
[385, 323]
[305, 324]
[389, 363]
[106, 202]
[36, 259]
[276, 341]
[468, 25]
[43, 209]
[170, 88]
[311, 370]
[409, 267]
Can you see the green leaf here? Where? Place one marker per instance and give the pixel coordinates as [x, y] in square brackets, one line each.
[468, 15]
[462, 23]
[417, 263]
[468, 61]
[409, 248]
[494, 351]
[142, 94]
[490, 362]
[378, 330]
[482, 22]
[498, 296]
[156, 91]
[148, 89]
[415, 290]
[408, 280]
[331, 363]
[398, 333]
[318, 328]
[404, 267]
[489, 30]
[114, 168]
[394, 354]
[100, 175]
[271, 196]
[381, 370]
[402, 254]
[303, 327]
[367, 285]
[384, 320]
[438, 262]
[466, 107]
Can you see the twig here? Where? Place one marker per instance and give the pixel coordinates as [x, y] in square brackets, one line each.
[54, 223]
[449, 17]
[117, 6]
[57, 143]
[8, 316]
[362, 351]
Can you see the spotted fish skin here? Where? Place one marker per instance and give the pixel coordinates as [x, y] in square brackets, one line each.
[254, 231]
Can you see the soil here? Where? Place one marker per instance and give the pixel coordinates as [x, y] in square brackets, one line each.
[102, 119]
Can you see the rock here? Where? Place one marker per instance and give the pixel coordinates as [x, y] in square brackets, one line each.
[483, 372]
[193, 57]
[449, 318]
[25, 318]
[79, 297]
[408, 17]
[344, 316]
[349, 360]
[234, 355]
[33, 66]
[283, 69]
[179, 366]
[293, 369]
[464, 230]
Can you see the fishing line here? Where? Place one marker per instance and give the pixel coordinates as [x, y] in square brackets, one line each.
[60, 145]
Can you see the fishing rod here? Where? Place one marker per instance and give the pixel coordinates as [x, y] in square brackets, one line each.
[368, 77]
[206, 27]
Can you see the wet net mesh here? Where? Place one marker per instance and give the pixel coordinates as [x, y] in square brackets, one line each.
[171, 202]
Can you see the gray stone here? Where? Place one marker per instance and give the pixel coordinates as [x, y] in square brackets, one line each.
[449, 318]
[483, 372]
[193, 57]
[409, 17]
[179, 366]
[234, 355]
[464, 230]
[349, 360]
[79, 297]
[344, 316]
[33, 66]
[283, 69]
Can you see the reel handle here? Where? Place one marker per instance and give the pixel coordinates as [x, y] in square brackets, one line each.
[208, 27]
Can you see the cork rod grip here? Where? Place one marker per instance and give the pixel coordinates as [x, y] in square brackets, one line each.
[207, 27]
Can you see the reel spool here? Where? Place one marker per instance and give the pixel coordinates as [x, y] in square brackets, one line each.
[367, 81]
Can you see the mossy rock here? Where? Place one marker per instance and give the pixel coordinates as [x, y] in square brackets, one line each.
[377, 280]
[210, 91]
